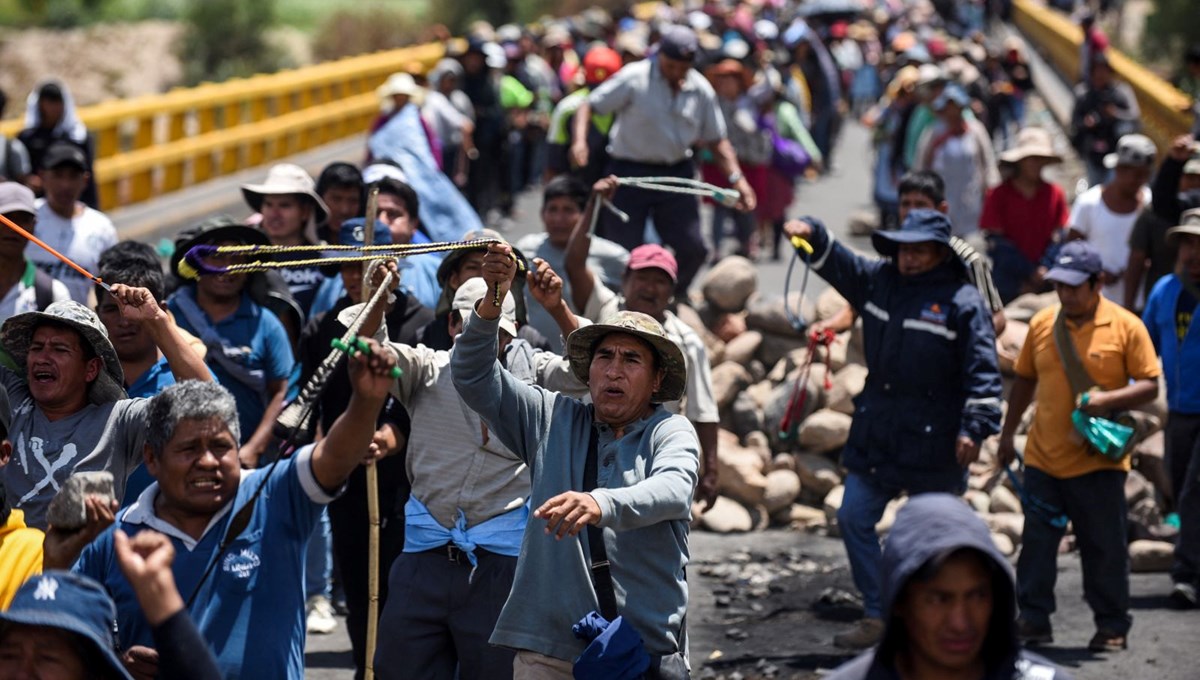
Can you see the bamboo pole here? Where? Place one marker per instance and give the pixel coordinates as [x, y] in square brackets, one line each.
[372, 477]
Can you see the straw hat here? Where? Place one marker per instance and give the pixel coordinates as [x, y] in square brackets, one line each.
[1032, 142]
[582, 344]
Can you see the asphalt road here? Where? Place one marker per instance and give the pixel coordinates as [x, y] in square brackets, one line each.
[738, 630]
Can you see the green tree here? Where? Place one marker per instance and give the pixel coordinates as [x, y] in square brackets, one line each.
[1170, 28]
[227, 38]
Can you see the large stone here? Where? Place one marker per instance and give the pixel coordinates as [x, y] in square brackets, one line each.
[776, 346]
[714, 345]
[848, 383]
[728, 379]
[1003, 500]
[1145, 520]
[745, 416]
[825, 430]
[782, 461]
[782, 488]
[768, 313]
[730, 283]
[862, 222]
[800, 517]
[1004, 544]
[829, 303]
[818, 474]
[1148, 459]
[1137, 488]
[833, 502]
[68, 508]
[1008, 523]
[1023, 308]
[727, 516]
[740, 473]
[758, 443]
[1151, 556]
[777, 407]
[884, 525]
[743, 348]
[1008, 345]
[728, 326]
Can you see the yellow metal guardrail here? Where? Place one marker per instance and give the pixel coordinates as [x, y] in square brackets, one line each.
[160, 143]
[1166, 112]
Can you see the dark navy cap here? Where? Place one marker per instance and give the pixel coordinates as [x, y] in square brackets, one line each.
[1077, 262]
[70, 602]
[922, 226]
[64, 153]
[351, 233]
[679, 42]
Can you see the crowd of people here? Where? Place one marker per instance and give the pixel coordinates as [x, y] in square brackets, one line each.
[537, 412]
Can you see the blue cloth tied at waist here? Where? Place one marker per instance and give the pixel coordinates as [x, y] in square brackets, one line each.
[500, 534]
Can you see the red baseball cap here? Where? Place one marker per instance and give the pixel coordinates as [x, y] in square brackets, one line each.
[599, 63]
[652, 255]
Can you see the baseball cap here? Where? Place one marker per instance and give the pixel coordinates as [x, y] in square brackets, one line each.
[1135, 150]
[74, 603]
[1192, 166]
[654, 256]
[475, 288]
[1077, 261]
[64, 153]
[599, 63]
[16, 197]
[953, 93]
[353, 232]
[679, 42]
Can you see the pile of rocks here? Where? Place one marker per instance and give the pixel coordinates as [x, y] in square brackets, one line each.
[768, 477]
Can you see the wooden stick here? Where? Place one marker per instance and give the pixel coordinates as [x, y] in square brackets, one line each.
[372, 476]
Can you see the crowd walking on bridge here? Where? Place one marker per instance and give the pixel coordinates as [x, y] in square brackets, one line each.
[537, 421]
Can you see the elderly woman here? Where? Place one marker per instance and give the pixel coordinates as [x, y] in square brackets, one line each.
[622, 468]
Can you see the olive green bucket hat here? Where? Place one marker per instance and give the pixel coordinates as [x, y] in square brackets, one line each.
[582, 344]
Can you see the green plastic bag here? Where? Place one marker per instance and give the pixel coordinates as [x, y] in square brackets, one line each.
[1109, 439]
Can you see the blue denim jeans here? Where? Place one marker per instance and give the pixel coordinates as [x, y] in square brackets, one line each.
[862, 507]
[318, 560]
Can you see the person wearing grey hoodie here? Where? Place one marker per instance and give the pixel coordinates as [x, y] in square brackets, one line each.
[949, 603]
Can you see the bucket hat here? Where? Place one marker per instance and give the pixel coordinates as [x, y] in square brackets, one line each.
[1189, 224]
[74, 603]
[218, 229]
[582, 343]
[921, 226]
[1032, 142]
[396, 84]
[283, 179]
[472, 290]
[17, 334]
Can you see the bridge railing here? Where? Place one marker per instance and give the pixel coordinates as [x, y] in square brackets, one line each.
[156, 144]
[1166, 112]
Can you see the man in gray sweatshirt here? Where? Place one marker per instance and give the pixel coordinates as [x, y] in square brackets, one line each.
[647, 464]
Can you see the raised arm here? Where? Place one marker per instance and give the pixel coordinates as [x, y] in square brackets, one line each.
[138, 304]
[846, 271]
[545, 285]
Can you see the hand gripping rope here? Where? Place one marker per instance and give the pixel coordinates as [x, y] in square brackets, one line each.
[795, 408]
[292, 421]
[670, 185]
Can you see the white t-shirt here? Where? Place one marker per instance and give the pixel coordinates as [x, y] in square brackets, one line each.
[1108, 232]
[81, 238]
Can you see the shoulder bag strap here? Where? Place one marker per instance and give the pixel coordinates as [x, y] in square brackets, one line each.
[1077, 375]
[601, 574]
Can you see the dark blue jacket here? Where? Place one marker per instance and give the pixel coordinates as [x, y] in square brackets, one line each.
[932, 527]
[1179, 359]
[931, 352]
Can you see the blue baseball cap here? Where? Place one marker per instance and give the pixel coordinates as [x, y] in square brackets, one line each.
[679, 42]
[921, 226]
[352, 232]
[1077, 262]
[70, 602]
[953, 93]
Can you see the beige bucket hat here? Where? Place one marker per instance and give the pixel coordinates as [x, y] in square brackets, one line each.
[283, 179]
[17, 334]
[1189, 224]
[1032, 142]
[582, 343]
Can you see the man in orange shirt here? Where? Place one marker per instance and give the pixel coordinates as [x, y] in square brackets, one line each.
[1062, 471]
[20, 546]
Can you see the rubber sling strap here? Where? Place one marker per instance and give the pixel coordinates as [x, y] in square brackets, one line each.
[1077, 375]
[601, 574]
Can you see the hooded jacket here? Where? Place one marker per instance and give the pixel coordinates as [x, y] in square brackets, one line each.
[933, 371]
[930, 527]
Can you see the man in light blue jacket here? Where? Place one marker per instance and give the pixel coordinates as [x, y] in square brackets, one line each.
[646, 463]
[1171, 318]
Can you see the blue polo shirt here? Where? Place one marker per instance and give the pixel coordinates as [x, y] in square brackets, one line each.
[251, 608]
[265, 346]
